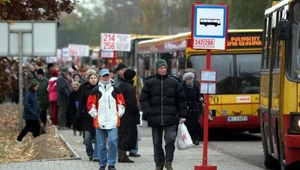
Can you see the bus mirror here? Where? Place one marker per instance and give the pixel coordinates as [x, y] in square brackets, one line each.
[181, 64]
[284, 30]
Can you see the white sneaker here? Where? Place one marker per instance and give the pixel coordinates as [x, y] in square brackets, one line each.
[18, 142]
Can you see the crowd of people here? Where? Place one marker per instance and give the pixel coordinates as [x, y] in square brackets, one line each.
[102, 105]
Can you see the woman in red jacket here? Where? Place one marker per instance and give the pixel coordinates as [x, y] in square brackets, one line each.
[53, 97]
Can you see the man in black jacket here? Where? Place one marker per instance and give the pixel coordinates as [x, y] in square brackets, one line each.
[164, 105]
[64, 90]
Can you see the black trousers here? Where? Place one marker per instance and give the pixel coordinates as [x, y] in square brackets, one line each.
[32, 126]
[43, 115]
[127, 137]
[161, 157]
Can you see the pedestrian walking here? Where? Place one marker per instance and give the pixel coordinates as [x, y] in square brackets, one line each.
[52, 90]
[64, 90]
[163, 102]
[130, 119]
[31, 113]
[194, 107]
[120, 74]
[42, 95]
[106, 105]
[119, 78]
[86, 119]
[76, 126]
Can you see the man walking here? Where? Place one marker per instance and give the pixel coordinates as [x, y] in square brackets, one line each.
[64, 90]
[42, 95]
[163, 102]
[106, 105]
[120, 74]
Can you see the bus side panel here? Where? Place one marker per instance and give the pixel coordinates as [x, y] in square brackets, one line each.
[264, 94]
[275, 111]
[225, 106]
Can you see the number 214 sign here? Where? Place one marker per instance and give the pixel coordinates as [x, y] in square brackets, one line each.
[115, 42]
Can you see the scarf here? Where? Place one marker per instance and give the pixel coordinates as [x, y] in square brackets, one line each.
[189, 85]
[105, 82]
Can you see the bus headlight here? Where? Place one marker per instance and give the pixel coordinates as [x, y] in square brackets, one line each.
[294, 123]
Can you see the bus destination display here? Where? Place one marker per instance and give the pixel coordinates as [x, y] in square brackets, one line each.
[244, 40]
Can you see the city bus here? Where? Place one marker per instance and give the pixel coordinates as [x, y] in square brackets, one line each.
[235, 106]
[131, 56]
[280, 86]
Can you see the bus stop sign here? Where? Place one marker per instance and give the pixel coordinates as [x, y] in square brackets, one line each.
[209, 27]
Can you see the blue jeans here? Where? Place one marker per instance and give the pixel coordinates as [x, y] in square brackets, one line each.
[88, 138]
[107, 155]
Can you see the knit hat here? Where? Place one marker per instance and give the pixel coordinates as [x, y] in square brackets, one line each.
[129, 74]
[161, 62]
[54, 73]
[120, 66]
[40, 71]
[188, 76]
[64, 69]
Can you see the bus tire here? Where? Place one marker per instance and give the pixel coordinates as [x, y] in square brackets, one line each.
[269, 161]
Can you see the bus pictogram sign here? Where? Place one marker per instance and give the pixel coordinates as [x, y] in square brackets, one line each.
[209, 27]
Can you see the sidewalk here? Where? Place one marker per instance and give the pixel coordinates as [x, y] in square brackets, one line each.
[184, 160]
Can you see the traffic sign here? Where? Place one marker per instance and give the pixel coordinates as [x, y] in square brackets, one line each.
[115, 42]
[209, 27]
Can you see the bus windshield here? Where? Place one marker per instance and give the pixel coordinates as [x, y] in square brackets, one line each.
[236, 74]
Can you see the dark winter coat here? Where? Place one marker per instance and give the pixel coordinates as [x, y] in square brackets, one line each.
[192, 96]
[131, 115]
[194, 111]
[118, 80]
[82, 85]
[82, 113]
[64, 90]
[42, 94]
[163, 100]
[72, 110]
[31, 110]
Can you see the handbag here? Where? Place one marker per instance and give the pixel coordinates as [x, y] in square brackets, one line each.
[184, 140]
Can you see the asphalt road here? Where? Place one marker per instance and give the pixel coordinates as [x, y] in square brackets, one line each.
[244, 146]
[241, 145]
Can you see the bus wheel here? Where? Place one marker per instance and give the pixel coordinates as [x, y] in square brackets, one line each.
[269, 161]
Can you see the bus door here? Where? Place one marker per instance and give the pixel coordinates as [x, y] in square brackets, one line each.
[270, 89]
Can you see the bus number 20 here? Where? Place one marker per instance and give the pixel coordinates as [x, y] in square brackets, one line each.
[214, 99]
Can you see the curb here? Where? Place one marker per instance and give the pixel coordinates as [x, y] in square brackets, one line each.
[61, 137]
[74, 153]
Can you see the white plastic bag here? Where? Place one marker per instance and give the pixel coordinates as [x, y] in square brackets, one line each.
[184, 140]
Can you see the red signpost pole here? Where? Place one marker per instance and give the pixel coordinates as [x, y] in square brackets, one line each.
[205, 165]
[204, 39]
[114, 61]
[206, 110]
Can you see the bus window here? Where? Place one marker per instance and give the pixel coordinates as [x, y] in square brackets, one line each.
[295, 56]
[224, 66]
[248, 72]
